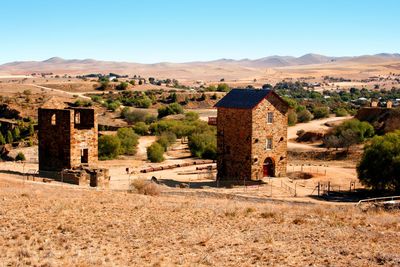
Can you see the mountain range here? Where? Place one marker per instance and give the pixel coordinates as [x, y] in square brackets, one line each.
[59, 65]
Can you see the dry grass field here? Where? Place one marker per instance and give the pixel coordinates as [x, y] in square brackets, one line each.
[47, 225]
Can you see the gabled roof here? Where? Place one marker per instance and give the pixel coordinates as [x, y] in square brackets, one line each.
[244, 98]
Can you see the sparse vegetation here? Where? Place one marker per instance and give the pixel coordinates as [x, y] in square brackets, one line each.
[155, 153]
[380, 163]
[171, 109]
[109, 147]
[20, 157]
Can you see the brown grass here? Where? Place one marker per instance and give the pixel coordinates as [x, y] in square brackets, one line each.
[45, 225]
[145, 187]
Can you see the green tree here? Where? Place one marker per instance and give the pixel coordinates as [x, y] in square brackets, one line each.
[31, 130]
[171, 109]
[155, 153]
[321, 112]
[122, 86]
[192, 116]
[9, 137]
[133, 116]
[16, 134]
[361, 128]
[379, 167]
[166, 139]
[341, 112]
[109, 147]
[292, 118]
[304, 116]
[2, 139]
[128, 140]
[223, 87]
[104, 85]
[141, 128]
[203, 145]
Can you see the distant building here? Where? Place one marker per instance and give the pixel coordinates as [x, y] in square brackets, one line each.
[251, 135]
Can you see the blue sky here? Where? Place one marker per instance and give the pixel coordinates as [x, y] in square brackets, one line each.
[150, 31]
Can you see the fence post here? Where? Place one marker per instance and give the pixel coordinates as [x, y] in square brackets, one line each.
[318, 187]
[329, 187]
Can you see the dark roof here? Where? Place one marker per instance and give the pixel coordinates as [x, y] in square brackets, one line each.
[242, 98]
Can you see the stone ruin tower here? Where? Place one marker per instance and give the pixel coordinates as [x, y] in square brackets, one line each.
[68, 141]
[251, 135]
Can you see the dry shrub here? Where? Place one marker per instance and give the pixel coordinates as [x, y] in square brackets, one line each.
[145, 187]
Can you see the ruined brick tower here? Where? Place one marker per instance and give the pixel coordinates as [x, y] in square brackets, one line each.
[67, 138]
[251, 135]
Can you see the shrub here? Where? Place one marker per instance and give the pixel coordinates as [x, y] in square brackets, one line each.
[223, 87]
[129, 141]
[16, 134]
[122, 86]
[20, 157]
[112, 105]
[9, 137]
[166, 139]
[171, 109]
[191, 116]
[2, 139]
[141, 128]
[82, 103]
[321, 112]
[133, 116]
[145, 187]
[380, 163]
[292, 118]
[96, 98]
[104, 85]
[341, 112]
[361, 128]
[109, 147]
[155, 153]
[203, 145]
[304, 116]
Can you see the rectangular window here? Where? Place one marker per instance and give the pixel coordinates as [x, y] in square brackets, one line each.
[268, 144]
[270, 117]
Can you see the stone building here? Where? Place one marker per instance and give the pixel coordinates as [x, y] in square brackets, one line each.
[251, 135]
[68, 141]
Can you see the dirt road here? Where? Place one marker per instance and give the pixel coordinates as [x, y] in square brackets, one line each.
[314, 125]
[81, 95]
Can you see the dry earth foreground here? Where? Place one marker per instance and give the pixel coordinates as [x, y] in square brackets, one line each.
[50, 225]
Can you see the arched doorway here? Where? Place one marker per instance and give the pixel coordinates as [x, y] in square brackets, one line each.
[268, 168]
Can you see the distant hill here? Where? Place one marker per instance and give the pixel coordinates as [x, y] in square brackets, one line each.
[193, 70]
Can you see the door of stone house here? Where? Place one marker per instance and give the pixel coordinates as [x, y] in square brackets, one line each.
[268, 168]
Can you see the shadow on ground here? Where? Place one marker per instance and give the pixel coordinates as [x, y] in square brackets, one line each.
[350, 197]
[211, 183]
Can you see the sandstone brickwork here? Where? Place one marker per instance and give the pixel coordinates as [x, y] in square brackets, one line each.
[67, 138]
[242, 135]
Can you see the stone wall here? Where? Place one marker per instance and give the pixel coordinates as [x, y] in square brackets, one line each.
[262, 130]
[84, 136]
[54, 140]
[234, 144]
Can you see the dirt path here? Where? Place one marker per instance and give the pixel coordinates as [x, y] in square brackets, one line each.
[314, 125]
[144, 142]
[81, 95]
